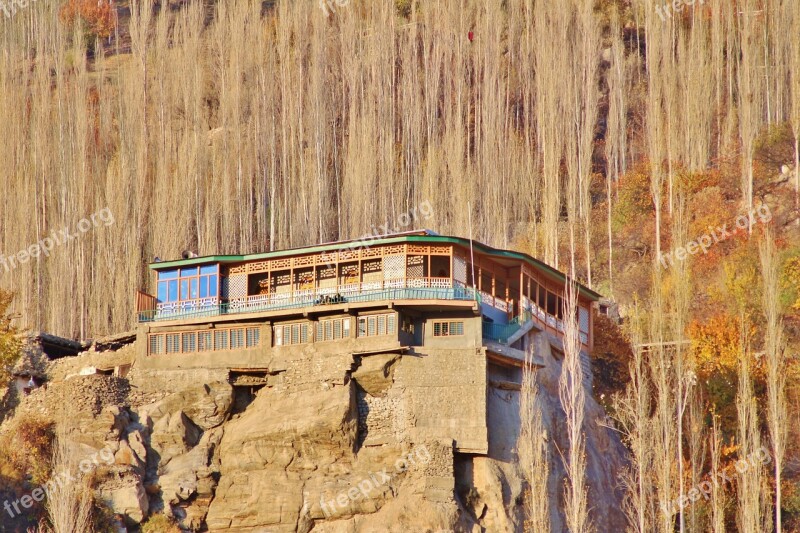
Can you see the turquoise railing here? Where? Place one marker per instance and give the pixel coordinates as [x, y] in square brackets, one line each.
[427, 293]
[502, 332]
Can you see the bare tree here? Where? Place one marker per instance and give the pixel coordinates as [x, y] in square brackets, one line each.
[775, 355]
[717, 492]
[573, 401]
[633, 413]
[751, 497]
[533, 449]
[69, 501]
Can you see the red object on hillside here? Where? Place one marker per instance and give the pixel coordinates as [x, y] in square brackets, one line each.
[471, 36]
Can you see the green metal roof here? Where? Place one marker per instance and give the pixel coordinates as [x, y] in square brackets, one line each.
[411, 237]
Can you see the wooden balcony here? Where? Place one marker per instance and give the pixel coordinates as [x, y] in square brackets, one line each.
[388, 290]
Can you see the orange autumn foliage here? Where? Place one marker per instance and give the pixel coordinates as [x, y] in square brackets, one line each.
[97, 17]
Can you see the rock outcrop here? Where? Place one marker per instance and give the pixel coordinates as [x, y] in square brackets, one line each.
[326, 444]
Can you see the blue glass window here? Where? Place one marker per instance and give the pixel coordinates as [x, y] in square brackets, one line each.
[168, 274]
[162, 291]
[188, 283]
[172, 295]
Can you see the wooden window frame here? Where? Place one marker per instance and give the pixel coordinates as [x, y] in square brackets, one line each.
[444, 328]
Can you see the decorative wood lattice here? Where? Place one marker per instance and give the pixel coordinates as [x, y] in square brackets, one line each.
[459, 269]
[372, 266]
[324, 272]
[241, 269]
[441, 250]
[328, 259]
[349, 271]
[417, 249]
[237, 286]
[394, 249]
[260, 266]
[372, 252]
[304, 260]
[415, 266]
[281, 263]
[394, 266]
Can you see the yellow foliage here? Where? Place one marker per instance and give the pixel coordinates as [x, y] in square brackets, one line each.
[791, 280]
[715, 343]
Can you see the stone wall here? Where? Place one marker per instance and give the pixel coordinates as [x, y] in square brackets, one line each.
[444, 391]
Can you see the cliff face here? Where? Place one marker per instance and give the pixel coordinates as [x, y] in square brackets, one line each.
[340, 446]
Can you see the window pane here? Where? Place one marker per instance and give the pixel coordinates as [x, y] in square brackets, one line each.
[173, 342]
[185, 272]
[162, 291]
[168, 274]
[551, 304]
[303, 333]
[189, 342]
[204, 341]
[156, 344]
[172, 295]
[371, 325]
[295, 334]
[318, 335]
[362, 327]
[382, 325]
[337, 329]
[437, 329]
[203, 287]
[346, 328]
[253, 337]
[391, 327]
[220, 340]
[193, 288]
[278, 335]
[329, 330]
[456, 328]
[212, 286]
[184, 289]
[237, 338]
[208, 269]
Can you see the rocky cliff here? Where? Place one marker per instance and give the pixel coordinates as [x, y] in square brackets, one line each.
[334, 447]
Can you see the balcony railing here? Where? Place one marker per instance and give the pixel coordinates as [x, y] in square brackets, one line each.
[408, 289]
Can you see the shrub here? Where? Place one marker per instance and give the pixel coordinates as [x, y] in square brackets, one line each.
[160, 523]
[10, 344]
[611, 359]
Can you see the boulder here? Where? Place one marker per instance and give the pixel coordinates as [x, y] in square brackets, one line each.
[173, 435]
[207, 405]
[125, 496]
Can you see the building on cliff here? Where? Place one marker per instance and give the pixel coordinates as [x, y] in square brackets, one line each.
[459, 311]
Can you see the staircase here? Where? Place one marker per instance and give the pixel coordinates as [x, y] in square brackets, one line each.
[508, 333]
